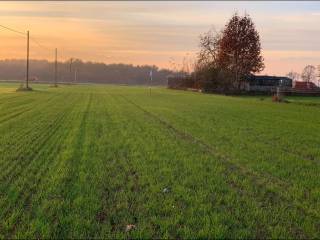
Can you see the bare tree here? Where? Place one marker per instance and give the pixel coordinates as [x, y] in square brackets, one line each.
[294, 76]
[309, 73]
[188, 64]
[209, 47]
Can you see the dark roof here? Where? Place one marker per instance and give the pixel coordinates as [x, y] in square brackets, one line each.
[268, 78]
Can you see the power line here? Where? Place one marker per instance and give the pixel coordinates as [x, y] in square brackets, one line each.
[56, 68]
[24, 34]
[13, 30]
[40, 45]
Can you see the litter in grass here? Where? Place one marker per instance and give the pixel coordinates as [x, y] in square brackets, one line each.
[165, 190]
[130, 227]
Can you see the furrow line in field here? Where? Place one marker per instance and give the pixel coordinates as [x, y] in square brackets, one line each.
[288, 183]
[227, 207]
[287, 150]
[15, 114]
[265, 195]
[17, 168]
[78, 150]
[262, 137]
[3, 99]
[86, 183]
[245, 149]
[37, 168]
[130, 178]
[43, 195]
[43, 162]
[189, 137]
[23, 132]
[2, 121]
[108, 191]
[123, 170]
[10, 106]
[13, 106]
[26, 187]
[27, 137]
[67, 180]
[307, 104]
[36, 143]
[13, 98]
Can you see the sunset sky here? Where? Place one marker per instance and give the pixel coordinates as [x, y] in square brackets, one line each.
[153, 32]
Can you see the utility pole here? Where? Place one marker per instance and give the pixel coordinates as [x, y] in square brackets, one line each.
[150, 81]
[71, 59]
[56, 68]
[75, 75]
[27, 77]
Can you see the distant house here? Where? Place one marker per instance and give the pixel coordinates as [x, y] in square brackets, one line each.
[305, 86]
[267, 83]
[34, 79]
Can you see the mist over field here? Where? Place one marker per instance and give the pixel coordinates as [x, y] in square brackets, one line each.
[87, 72]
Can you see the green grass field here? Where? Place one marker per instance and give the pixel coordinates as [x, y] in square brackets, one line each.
[86, 161]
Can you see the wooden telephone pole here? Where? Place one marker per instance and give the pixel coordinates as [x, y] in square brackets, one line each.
[150, 81]
[56, 68]
[71, 59]
[75, 75]
[27, 74]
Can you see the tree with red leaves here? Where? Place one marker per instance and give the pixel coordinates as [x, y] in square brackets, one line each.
[240, 49]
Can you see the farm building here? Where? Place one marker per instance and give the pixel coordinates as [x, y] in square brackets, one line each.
[251, 84]
[304, 86]
[267, 83]
[305, 89]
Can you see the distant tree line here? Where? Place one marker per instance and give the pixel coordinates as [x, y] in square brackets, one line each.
[226, 58]
[92, 72]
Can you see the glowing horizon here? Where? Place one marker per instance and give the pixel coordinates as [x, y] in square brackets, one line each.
[152, 33]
